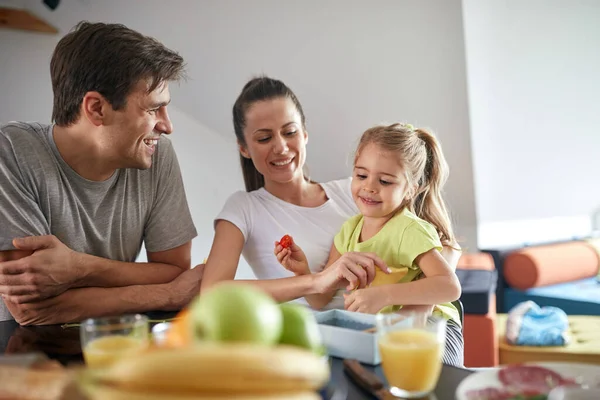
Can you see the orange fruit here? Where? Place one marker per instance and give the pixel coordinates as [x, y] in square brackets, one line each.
[179, 333]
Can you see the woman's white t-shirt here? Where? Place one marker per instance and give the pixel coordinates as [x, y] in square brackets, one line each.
[263, 219]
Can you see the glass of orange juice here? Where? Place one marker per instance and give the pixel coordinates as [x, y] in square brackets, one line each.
[104, 340]
[411, 348]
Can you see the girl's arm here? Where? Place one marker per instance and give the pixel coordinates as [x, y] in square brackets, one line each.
[440, 284]
[451, 254]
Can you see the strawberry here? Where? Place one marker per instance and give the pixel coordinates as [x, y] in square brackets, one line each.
[286, 241]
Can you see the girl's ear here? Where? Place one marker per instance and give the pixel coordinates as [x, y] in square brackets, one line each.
[243, 150]
[305, 136]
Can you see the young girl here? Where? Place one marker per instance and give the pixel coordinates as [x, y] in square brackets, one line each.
[399, 172]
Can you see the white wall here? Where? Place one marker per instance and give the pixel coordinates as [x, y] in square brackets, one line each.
[352, 63]
[534, 84]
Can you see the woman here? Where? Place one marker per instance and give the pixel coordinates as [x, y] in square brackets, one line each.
[271, 133]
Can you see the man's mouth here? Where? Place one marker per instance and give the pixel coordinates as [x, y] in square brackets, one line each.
[150, 142]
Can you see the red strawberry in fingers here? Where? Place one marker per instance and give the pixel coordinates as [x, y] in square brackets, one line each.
[286, 241]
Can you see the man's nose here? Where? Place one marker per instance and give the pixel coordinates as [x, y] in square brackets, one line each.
[165, 125]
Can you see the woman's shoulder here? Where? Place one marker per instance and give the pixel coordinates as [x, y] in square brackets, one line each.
[340, 186]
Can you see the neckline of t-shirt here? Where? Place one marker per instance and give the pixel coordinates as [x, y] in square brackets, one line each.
[264, 192]
[70, 171]
[373, 238]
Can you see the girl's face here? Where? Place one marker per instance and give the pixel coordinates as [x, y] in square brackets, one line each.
[275, 140]
[379, 185]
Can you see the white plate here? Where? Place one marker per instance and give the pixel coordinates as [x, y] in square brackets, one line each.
[585, 373]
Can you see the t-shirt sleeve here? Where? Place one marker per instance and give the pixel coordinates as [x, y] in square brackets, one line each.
[20, 213]
[342, 238]
[236, 210]
[170, 222]
[418, 238]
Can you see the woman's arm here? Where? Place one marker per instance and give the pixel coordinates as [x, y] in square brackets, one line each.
[346, 272]
[224, 258]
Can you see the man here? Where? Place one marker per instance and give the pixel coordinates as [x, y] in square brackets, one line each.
[78, 198]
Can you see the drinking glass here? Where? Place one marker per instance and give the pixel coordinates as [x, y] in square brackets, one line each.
[411, 348]
[105, 340]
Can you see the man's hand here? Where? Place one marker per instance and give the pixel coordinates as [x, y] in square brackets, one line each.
[49, 271]
[41, 312]
[185, 287]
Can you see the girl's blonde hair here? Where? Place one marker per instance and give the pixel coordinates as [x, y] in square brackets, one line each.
[425, 168]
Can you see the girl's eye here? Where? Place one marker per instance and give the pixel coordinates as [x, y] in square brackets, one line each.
[361, 177]
[384, 183]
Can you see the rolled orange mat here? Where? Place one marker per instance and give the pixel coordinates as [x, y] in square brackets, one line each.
[548, 265]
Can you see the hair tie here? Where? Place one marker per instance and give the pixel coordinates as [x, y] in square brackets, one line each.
[409, 127]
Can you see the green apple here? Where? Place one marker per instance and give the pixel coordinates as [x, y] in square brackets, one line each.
[300, 328]
[236, 313]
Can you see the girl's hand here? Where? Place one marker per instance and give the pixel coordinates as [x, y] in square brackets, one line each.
[351, 271]
[292, 258]
[368, 301]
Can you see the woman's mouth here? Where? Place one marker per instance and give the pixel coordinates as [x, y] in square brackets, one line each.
[282, 162]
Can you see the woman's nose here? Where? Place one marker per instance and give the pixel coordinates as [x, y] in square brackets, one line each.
[280, 145]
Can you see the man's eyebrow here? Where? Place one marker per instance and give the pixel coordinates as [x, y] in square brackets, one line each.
[160, 104]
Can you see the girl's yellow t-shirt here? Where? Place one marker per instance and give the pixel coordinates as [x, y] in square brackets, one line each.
[401, 240]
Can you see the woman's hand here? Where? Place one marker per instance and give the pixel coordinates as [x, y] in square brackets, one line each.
[352, 270]
[292, 258]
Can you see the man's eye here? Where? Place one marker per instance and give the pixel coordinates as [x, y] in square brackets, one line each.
[153, 111]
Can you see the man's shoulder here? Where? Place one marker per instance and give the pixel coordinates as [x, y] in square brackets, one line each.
[23, 131]
[25, 141]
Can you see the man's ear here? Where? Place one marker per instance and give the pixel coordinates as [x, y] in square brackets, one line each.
[243, 150]
[94, 108]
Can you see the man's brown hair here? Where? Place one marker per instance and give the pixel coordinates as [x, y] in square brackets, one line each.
[109, 59]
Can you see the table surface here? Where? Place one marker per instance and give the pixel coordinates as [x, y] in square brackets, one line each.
[62, 344]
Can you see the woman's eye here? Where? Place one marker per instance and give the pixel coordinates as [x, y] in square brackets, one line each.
[291, 133]
[263, 139]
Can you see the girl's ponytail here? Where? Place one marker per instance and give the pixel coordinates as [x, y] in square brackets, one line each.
[428, 202]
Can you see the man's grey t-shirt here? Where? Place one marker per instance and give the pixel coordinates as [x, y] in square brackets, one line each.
[40, 194]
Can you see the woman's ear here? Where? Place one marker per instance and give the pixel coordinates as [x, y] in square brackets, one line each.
[243, 150]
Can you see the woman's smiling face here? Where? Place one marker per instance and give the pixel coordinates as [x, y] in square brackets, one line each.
[275, 139]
